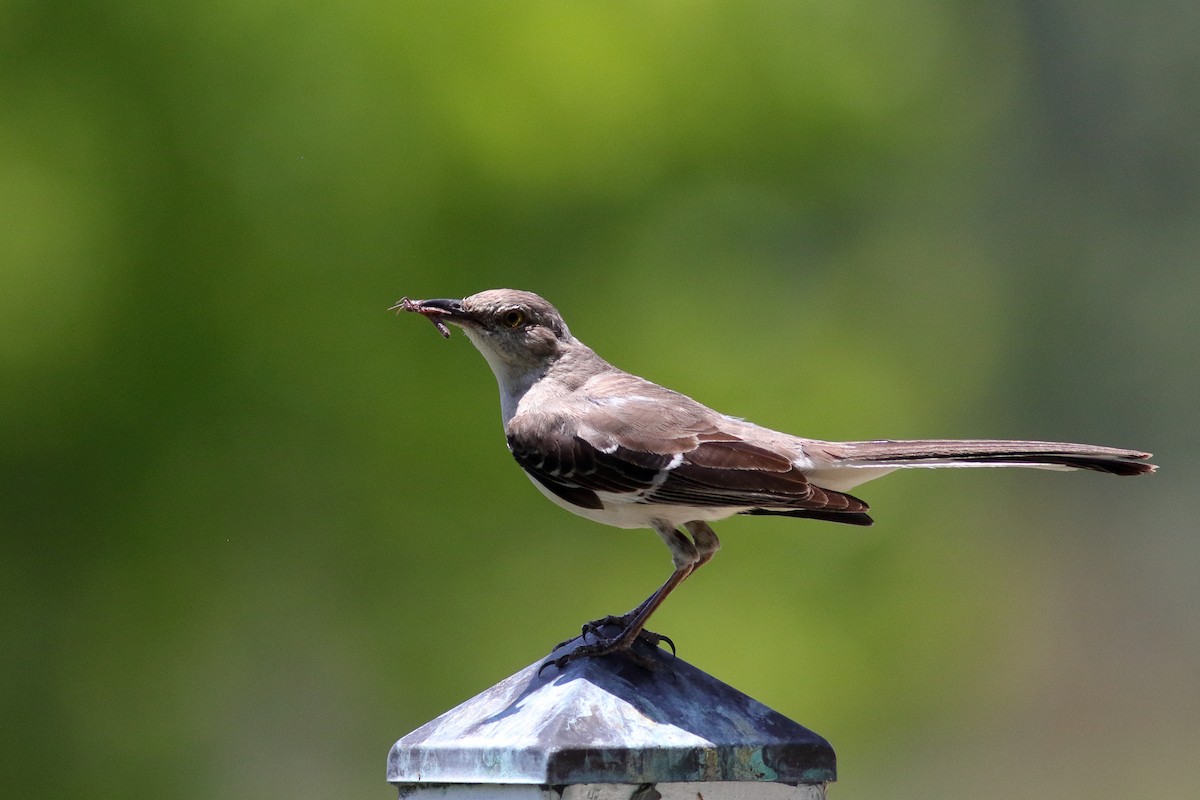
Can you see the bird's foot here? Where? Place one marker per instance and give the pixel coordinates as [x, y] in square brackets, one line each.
[622, 642]
[621, 622]
[594, 628]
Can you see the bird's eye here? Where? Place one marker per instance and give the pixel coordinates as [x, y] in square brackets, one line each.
[513, 318]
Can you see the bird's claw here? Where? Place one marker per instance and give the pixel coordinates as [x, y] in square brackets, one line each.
[652, 638]
[593, 628]
[557, 663]
[644, 636]
[613, 644]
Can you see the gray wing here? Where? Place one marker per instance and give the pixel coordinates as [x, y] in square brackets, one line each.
[626, 436]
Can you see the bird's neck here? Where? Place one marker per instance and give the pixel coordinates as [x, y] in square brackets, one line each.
[564, 372]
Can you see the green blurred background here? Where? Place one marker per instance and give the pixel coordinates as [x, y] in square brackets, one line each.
[255, 528]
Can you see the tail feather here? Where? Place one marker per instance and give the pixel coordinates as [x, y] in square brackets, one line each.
[986, 453]
[847, 517]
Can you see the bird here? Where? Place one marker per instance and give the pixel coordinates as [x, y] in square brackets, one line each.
[620, 450]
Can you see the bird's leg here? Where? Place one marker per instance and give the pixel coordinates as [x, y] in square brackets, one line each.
[595, 627]
[622, 620]
[633, 627]
[687, 555]
[706, 544]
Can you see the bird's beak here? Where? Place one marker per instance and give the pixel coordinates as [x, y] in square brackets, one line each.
[439, 312]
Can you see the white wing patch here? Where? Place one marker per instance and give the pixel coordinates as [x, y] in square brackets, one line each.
[661, 476]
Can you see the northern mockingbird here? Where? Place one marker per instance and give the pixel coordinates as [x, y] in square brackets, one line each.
[618, 449]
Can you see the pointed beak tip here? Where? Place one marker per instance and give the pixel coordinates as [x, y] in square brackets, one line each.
[432, 310]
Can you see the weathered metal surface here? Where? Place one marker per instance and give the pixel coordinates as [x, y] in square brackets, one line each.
[741, 790]
[608, 721]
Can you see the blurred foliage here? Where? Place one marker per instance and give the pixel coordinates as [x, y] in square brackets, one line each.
[254, 528]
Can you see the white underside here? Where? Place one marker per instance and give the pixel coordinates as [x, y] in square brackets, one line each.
[620, 511]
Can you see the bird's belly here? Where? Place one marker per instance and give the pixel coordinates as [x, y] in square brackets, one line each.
[620, 511]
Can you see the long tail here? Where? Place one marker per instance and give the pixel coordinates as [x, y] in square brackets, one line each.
[991, 453]
[844, 465]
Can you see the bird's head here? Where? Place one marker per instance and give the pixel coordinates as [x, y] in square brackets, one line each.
[516, 331]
